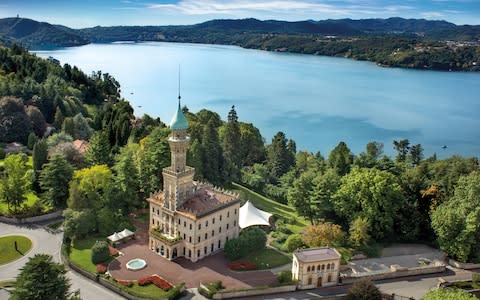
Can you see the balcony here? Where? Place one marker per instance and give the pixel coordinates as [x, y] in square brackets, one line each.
[156, 233]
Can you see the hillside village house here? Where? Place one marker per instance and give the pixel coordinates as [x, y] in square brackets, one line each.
[189, 218]
[315, 267]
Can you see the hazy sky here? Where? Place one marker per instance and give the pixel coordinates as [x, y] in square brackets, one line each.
[87, 13]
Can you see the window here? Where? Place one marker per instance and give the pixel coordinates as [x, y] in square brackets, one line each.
[189, 253]
[184, 224]
[206, 235]
[199, 239]
[234, 223]
[309, 280]
[153, 221]
[198, 253]
[227, 239]
[219, 244]
[323, 267]
[206, 223]
[308, 269]
[228, 214]
[213, 232]
[220, 230]
[213, 221]
[190, 226]
[220, 217]
[205, 250]
[178, 221]
[211, 247]
[332, 266]
[227, 226]
[328, 266]
[318, 268]
[153, 209]
[199, 226]
[184, 237]
[189, 239]
[235, 211]
[183, 251]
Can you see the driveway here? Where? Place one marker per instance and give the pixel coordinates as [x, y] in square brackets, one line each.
[48, 243]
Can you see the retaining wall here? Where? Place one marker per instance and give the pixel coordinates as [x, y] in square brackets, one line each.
[397, 274]
[461, 265]
[254, 292]
[47, 217]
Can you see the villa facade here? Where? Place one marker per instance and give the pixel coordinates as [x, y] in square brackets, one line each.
[188, 218]
[316, 267]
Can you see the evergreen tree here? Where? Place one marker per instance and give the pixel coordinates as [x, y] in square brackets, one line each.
[32, 139]
[41, 279]
[402, 148]
[213, 163]
[279, 156]
[98, 152]
[341, 159]
[126, 174]
[58, 120]
[54, 180]
[231, 145]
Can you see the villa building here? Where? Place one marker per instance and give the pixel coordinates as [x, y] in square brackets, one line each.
[316, 267]
[189, 218]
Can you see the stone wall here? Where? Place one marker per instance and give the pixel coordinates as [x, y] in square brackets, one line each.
[398, 273]
[254, 292]
[47, 217]
[460, 265]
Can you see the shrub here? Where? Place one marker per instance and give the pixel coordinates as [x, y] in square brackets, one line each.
[284, 277]
[127, 283]
[100, 252]
[294, 242]
[156, 280]
[212, 288]
[249, 240]
[101, 268]
[363, 289]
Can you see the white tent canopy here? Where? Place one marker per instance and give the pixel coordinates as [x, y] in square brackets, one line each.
[250, 215]
[115, 237]
[118, 236]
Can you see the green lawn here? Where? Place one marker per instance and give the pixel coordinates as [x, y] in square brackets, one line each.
[271, 206]
[7, 248]
[31, 200]
[150, 291]
[81, 254]
[267, 258]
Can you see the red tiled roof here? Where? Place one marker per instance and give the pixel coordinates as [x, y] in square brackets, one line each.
[207, 199]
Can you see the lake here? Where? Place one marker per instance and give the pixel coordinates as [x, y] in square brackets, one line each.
[317, 101]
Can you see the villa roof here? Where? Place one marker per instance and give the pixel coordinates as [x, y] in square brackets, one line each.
[316, 254]
[207, 199]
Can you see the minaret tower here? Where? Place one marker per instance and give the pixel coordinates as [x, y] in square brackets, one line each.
[178, 177]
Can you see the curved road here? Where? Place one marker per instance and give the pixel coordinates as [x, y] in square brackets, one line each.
[48, 243]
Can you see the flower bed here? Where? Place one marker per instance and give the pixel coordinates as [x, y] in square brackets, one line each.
[127, 283]
[156, 280]
[101, 268]
[242, 266]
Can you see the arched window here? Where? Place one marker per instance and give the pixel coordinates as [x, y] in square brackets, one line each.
[308, 269]
[318, 268]
[323, 267]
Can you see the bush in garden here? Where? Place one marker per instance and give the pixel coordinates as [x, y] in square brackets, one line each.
[100, 252]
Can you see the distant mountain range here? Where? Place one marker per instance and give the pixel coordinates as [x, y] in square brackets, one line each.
[34, 34]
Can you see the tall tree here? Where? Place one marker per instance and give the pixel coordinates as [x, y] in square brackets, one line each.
[231, 144]
[279, 157]
[416, 154]
[154, 155]
[402, 148]
[39, 156]
[15, 181]
[38, 120]
[457, 221]
[126, 174]
[41, 278]
[359, 236]
[324, 234]
[341, 159]
[252, 146]
[15, 125]
[324, 187]
[372, 194]
[299, 197]
[213, 163]
[98, 152]
[54, 180]
[87, 187]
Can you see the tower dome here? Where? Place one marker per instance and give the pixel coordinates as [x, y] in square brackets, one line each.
[179, 122]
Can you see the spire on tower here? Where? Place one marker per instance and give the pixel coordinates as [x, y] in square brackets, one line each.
[179, 97]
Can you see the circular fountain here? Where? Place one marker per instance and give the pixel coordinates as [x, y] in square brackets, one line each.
[136, 264]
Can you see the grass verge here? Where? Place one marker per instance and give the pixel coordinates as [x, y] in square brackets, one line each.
[81, 254]
[267, 258]
[7, 248]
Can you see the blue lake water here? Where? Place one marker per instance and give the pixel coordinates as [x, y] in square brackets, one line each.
[317, 101]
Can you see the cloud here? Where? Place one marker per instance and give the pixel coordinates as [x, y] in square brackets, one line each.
[201, 7]
[432, 14]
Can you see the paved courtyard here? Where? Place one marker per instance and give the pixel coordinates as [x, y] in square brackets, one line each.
[211, 268]
[404, 255]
